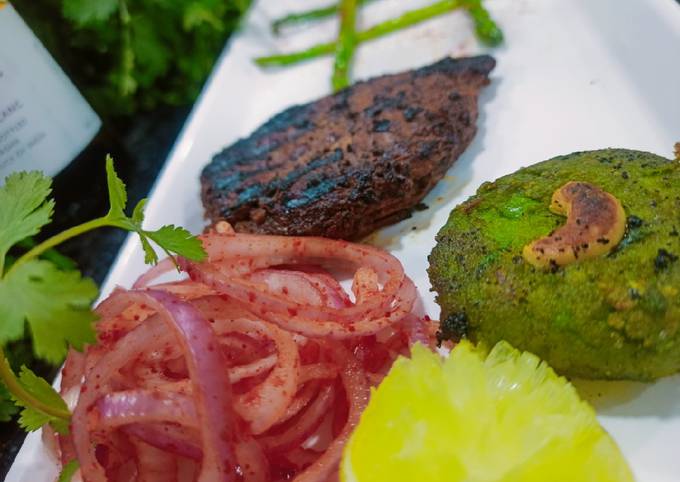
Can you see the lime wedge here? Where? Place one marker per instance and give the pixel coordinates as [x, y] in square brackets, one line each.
[473, 417]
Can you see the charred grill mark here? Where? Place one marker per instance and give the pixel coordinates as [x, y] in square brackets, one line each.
[315, 191]
[410, 113]
[382, 125]
[281, 184]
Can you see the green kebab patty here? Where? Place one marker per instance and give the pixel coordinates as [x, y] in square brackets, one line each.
[615, 316]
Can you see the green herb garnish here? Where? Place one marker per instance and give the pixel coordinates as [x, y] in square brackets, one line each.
[53, 302]
[485, 28]
[346, 44]
[68, 471]
[296, 18]
[134, 55]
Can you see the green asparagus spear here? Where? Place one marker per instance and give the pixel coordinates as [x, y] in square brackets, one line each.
[296, 57]
[409, 18]
[301, 17]
[346, 44]
[412, 17]
[308, 16]
[486, 29]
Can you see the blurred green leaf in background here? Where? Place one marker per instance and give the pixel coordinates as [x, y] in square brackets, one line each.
[130, 56]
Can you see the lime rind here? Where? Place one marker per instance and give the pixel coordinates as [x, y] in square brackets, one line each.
[479, 417]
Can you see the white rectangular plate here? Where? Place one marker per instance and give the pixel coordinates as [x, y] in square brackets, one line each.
[572, 75]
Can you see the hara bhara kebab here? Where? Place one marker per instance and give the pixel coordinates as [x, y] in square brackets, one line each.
[574, 259]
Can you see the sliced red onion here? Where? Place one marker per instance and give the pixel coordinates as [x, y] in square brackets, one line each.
[156, 401]
[317, 324]
[95, 386]
[357, 392]
[263, 405]
[417, 330]
[170, 438]
[154, 464]
[161, 268]
[243, 253]
[309, 420]
[211, 387]
[141, 406]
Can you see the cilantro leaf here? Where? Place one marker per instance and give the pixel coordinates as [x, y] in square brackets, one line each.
[7, 407]
[32, 419]
[150, 256]
[55, 303]
[178, 240]
[138, 213]
[68, 471]
[196, 14]
[24, 208]
[117, 193]
[83, 12]
[171, 239]
[152, 55]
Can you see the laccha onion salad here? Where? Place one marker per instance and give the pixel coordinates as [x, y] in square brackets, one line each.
[255, 367]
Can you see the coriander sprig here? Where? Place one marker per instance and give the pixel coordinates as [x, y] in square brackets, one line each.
[56, 303]
[169, 238]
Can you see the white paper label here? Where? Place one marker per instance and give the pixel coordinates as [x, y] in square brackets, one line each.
[44, 121]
